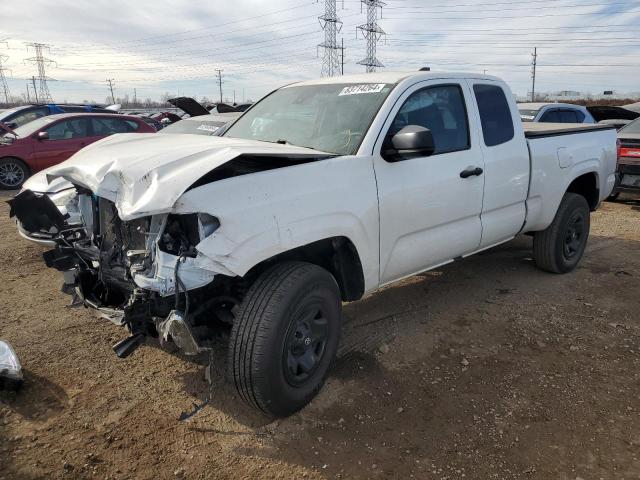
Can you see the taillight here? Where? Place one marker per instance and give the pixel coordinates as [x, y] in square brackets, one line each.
[629, 152]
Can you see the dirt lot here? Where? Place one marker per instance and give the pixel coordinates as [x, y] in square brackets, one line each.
[483, 369]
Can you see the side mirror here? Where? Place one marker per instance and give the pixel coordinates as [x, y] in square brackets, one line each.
[410, 142]
[43, 135]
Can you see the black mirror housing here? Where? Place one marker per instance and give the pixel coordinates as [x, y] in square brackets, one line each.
[43, 135]
[411, 142]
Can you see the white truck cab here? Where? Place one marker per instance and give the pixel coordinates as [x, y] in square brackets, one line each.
[322, 192]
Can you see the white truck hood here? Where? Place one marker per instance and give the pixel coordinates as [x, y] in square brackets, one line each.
[145, 174]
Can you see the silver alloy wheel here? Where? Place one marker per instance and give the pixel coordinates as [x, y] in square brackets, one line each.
[11, 174]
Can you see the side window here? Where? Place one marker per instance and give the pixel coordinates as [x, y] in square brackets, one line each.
[21, 118]
[579, 116]
[568, 116]
[495, 114]
[103, 126]
[551, 116]
[442, 110]
[68, 129]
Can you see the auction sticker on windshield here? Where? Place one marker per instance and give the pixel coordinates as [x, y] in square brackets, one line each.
[363, 88]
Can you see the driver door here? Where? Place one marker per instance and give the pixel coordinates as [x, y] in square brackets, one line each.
[429, 214]
[66, 137]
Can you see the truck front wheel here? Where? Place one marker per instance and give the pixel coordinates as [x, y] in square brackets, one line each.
[285, 337]
[559, 248]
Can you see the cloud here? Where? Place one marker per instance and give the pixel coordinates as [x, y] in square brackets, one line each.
[177, 46]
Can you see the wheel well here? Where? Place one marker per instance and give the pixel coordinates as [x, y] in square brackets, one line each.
[20, 160]
[338, 255]
[587, 186]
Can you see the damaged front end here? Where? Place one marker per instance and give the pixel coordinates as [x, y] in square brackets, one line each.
[145, 274]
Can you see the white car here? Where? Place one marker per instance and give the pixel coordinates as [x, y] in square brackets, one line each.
[322, 192]
[554, 113]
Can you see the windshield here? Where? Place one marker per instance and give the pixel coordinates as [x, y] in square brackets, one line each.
[528, 115]
[332, 118]
[633, 127]
[197, 127]
[31, 127]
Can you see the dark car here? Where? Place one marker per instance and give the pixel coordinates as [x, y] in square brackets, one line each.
[628, 170]
[18, 116]
[52, 139]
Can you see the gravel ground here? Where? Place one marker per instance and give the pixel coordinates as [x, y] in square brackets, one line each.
[486, 368]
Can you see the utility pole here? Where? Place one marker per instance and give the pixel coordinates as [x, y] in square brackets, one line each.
[35, 92]
[372, 33]
[28, 95]
[534, 62]
[110, 84]
[342, 55]
[40, 61]
[331, 25]
[135, 97]
[219, 75]
[4, 86]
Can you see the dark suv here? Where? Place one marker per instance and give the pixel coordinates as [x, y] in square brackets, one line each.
[18, 116]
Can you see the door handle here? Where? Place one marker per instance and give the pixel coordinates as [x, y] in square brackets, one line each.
[470, 172]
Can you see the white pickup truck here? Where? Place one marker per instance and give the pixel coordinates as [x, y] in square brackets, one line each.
[320, 193]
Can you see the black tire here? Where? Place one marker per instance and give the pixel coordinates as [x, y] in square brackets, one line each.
[13, 173]
[559, 248]
[269, 350]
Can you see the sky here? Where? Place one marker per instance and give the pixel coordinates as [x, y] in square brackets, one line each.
[176, 47]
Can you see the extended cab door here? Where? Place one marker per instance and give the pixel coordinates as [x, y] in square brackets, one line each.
[65, 138]
[506, 162]
[429, 214]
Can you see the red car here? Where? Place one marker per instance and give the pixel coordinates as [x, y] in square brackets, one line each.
[50, 140]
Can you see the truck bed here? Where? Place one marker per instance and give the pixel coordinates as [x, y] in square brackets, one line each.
[536, 130]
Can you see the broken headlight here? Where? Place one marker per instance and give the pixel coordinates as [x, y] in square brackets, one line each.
[183, 232]
[60, 199]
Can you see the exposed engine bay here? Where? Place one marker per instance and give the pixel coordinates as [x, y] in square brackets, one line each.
[141, 273]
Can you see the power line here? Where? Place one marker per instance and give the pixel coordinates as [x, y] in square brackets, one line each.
[331, 25]
[534, 62]
[219, 75]
[4, 86]
[40, 61]
[372, 33]
[110, 84]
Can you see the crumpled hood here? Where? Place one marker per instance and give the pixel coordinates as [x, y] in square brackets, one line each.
[145, 174]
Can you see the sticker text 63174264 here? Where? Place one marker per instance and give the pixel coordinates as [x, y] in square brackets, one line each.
[362, 88]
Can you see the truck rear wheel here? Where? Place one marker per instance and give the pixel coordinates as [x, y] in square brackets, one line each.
[285, 337]
[559, 248]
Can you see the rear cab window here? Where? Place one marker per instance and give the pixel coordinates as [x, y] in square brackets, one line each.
[495, 114]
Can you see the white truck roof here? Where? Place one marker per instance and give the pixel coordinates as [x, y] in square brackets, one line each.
[392, 77]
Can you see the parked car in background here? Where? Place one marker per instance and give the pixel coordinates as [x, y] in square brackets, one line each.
[242, 107]
[18, 116]
[49, 140]
[628, 170]
[554, 113]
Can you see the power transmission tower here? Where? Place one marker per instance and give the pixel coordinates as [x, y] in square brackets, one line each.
[331, 25]
[219, 75]
[534, 62]
[372, 34]
[4, 86]
[110, 84]
[40, 61]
